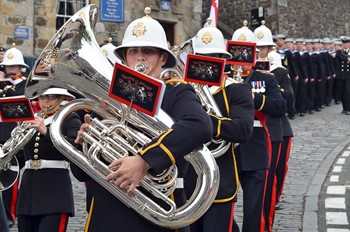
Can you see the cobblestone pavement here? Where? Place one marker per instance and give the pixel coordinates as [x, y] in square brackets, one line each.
[318, 139]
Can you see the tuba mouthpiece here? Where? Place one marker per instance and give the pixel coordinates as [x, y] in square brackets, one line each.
[140, 67]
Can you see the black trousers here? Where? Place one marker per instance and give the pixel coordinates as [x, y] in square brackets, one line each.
[253, 186]
[218, 218]
[282, 166]
[43, 223]
[271, 187]
[3, 218]
[311, 95]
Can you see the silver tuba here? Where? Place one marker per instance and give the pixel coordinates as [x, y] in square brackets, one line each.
[77, 64]
[202, 91]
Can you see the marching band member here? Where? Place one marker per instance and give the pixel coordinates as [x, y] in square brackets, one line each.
[280, 167]
[13, 63]
[145, 41]
[264, 43]
[236, 125]
[45, 198]
[343, 79]
[254, 156]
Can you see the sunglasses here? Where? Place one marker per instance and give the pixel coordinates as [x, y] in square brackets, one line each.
[49, 96]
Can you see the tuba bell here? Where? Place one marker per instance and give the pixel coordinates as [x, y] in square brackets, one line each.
[76, 63]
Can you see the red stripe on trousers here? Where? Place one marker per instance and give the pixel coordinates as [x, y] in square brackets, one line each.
[262, 218]
[232, 217]
[274, 193]
[63, 223]
[14, 200]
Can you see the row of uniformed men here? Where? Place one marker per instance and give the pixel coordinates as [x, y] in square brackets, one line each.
[319, 70]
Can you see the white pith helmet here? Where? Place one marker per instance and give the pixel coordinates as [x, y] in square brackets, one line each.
[108, 51]
[210, 40]
[263, 36]
[244, 34]
[59, 91]
[274, 59]
[146, 32]
[13, 56]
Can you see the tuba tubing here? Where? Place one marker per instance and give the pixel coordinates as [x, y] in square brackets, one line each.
[201, 160]
[20, 136]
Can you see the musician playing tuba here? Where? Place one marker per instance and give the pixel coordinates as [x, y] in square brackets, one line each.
[236, 125]
[13, 64]
[45, 199]
[145, 43]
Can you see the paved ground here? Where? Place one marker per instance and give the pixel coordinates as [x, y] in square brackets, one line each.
[319, 139]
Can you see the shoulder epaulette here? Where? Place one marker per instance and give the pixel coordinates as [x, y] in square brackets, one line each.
[264, 71]
[175, 81]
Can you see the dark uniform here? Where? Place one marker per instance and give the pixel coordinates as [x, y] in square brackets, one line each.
[343, 78]
[254, 156]
[280, 165]
[45, 198]
[289, 62]
[236, 124]
[10, 195]
[303, 62]
[192, 127]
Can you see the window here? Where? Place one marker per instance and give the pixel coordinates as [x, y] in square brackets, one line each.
[66, 9]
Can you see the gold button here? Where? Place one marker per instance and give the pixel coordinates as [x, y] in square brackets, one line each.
[36, 144]
[36, 150]
[36, 156]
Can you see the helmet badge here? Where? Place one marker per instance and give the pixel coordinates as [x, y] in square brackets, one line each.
[207, 38]
[242, 37]
[10, 56]
[260, 35]
[139, 29]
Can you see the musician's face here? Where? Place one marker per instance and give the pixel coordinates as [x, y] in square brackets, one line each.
[152, 57]
[12, 71]
[51, 102]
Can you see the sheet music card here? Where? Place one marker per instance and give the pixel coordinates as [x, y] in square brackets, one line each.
[204, 70]
[137, 90]
[243, 53]
[15, 109]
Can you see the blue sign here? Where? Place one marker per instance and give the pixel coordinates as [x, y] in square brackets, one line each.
[21, 32]
[112, 10]
[165, 5]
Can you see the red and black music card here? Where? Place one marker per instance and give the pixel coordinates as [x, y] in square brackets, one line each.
[15, 109]
[263, 65]
[204, 70]
[243, 53]
[137, 90]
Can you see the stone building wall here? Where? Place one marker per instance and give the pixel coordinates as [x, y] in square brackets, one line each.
[185, 17]
[295, 18]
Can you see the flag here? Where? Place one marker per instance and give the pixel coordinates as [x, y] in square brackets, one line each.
[214, 12]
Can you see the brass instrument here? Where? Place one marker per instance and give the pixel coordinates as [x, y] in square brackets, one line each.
[20, 136]
[78, 64]
[202, 91]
